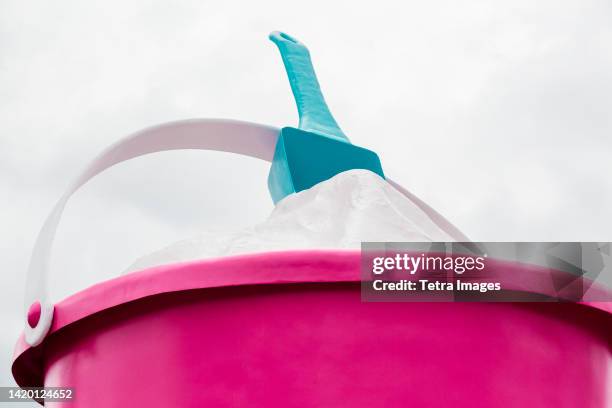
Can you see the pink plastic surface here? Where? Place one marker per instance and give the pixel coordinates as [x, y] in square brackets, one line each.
[34, 314]
[290, 330]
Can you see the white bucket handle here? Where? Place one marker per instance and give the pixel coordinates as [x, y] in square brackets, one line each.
[249, 139]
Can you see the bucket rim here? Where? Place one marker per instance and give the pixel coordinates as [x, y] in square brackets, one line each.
[263, 268]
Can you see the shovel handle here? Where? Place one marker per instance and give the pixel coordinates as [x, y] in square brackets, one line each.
[314, 113]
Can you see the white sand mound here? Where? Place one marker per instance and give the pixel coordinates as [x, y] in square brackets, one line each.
[339, 213]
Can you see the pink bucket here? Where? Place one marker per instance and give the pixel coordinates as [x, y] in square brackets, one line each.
[289, 329]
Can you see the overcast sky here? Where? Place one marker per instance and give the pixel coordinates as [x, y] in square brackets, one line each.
[496, 113]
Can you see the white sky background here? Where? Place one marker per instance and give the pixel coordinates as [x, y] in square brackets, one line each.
[495, 113]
